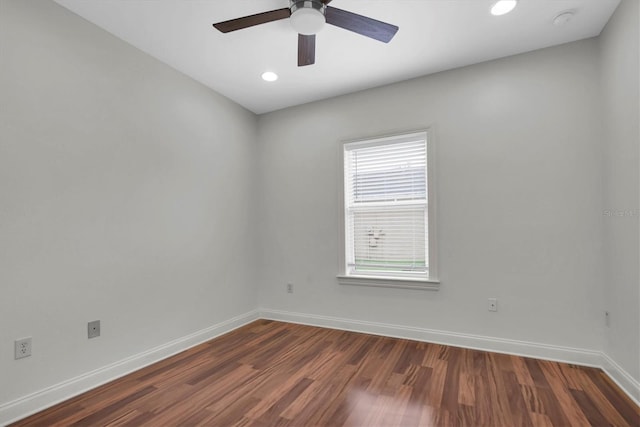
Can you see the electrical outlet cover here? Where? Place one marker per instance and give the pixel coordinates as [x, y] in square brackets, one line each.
[93, 329]
[23, 348]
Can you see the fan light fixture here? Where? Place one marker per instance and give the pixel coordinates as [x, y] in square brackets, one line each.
[307, 17]
[503, 7]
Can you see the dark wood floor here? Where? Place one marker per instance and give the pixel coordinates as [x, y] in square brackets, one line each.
[280, 374]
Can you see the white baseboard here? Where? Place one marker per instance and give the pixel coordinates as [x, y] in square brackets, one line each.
[576, 356]
[621, 377]
[35, 402]
[477, 342]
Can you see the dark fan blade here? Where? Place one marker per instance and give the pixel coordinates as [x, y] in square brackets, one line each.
[326, 2]
[306, 50]
[251, 20]
[361, 24]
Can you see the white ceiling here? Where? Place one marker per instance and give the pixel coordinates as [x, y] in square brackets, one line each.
[434, 35]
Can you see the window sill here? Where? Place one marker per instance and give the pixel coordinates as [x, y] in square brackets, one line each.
[390, 282]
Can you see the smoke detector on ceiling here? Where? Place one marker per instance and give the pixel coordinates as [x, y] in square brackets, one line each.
[563, 18]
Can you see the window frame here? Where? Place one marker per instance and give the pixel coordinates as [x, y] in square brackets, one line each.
[430, 280]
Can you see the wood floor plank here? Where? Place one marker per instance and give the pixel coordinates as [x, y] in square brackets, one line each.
[622, 404]
[604, 405]
[465, 416]
[303, 400]
[113, 411]
[428, 416]
[346, 401]
[362, 409]
[541, 420]
[140, 420]
[552, 407]
[589, 409]
[437, 384]
[500, 408]
[332, 399]
[516, 401]
[275, 374]
[431, 355]
[164, 399]
[504, 362]
[389, 352]
[466, 390]
[570, 374]
[563, 396]
[521, 371]
[243, 384]
[275, 411]
[418, 397]
[123, 419]
[395, 406]
[531, 399]
[232, 413]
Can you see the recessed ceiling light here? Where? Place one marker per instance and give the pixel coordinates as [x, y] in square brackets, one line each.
[269, 76]
[502, 7]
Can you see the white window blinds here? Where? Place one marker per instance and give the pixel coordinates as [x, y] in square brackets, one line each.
[386, 207]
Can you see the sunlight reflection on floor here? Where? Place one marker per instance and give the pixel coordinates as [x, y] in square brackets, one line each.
[367, 409]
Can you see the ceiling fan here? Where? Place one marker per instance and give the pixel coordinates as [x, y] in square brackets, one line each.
[307, 18]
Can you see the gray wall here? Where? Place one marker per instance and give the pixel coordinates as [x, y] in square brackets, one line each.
[125, 196]
[518, 196]
[621, 212]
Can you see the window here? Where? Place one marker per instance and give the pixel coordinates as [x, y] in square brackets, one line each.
[389, 233]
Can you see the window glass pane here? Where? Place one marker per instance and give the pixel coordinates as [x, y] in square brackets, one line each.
[388, 172]
[390, 240]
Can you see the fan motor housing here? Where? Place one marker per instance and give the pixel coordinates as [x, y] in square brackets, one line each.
[307, 16]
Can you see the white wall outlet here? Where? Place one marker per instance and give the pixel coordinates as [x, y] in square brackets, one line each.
[93, 329]
[493, 304]
[22, 348]
[289, 288]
